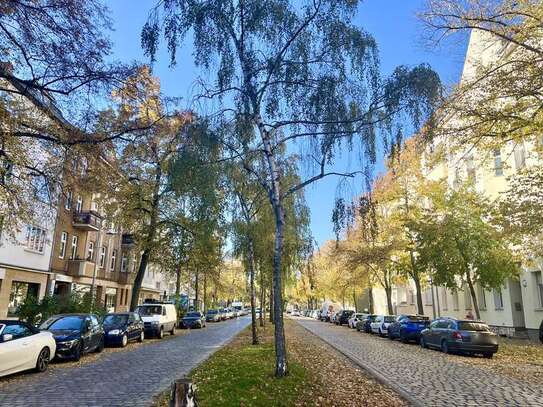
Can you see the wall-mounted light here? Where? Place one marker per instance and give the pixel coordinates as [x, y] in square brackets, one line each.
[524, 283]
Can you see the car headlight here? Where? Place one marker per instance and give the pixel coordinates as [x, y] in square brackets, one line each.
[155, 323]
[115, 332]
[69, 344]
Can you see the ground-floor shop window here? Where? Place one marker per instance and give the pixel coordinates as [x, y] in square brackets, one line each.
[111, 299]
[20, 291]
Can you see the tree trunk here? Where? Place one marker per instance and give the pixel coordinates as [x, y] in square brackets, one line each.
[354, 301]
[271, 302]
[473, 296]
[420, 307]
[196, 297]
[388, 292]
[204, 296]
[262, 299]
[370, 299]
[252, 290]
[139, 279]
[178, 282]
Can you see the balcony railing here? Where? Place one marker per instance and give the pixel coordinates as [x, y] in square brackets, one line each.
[80, 268]
[126, 278]
[90, 221]
[128, 239]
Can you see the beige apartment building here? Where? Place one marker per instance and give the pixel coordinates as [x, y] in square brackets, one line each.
[516, 309]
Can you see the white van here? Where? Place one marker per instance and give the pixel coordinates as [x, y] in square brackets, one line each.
[158, 318]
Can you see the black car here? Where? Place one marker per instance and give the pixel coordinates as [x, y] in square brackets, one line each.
[455, 335]
[343, 317]
[75, 334]
[365, 324]
[194, 319]
[121, 328]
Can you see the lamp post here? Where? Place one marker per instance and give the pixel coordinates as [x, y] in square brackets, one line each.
[95, 270]
[433, 298]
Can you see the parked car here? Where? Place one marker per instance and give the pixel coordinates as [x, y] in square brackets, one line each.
[380, 324]
[541, 332]
[315, 314]
[213, 315]
[24, 347]
[123, 327]
[296, 313]
[456, 335]
[158, 318]
[333, 317]
[194, 319]
[342, 317]
[408, 327]
[75, 334]
[353, 320]
[365, 324]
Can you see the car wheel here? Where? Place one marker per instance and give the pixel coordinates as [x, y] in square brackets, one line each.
[422, 343]
[141, 337]
[390, 336]
[172, 332]
[124, 341]
[161, 333]
[43, 360]
[101, 346]
[444, 347]
[380, 332]
[488, 355]
[78, 352]
[403, 338]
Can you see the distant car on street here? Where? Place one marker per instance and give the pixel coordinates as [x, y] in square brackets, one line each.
[353, 320]
[408, 327]
[365, 324]
[296, 313]
[123, 327]
[456, 335]
[380, 324]
[213, 315]
[24, 347]
[75, 334]
[342, 317]
[194, 319]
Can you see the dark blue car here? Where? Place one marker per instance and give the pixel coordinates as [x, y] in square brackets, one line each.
[408, 327]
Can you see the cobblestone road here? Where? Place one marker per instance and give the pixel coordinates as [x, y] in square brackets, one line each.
[428, 377]
[130, 378]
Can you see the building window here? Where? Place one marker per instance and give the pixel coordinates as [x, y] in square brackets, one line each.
[520, 156]
[73, 254]
[35, 239]
[498, 164]
[102, 256]
[79, 204]
[482, 298]
[124, 263]
[113, 258]
[444, 299]
[63, 240]
[20, 291]
[456, 306]
[90, 251]
[539, 287]
[68, 201]
[498, 299]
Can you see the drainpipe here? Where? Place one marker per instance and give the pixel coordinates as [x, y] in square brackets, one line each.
[96, 262]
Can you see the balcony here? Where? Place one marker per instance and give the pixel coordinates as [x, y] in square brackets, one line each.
[126, 278]
[89, 221]
[128, 240]
[80, 268]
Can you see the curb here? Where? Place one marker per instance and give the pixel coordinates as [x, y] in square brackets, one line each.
[372, 371]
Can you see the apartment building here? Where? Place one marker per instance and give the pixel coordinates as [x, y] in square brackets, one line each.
[515, 309]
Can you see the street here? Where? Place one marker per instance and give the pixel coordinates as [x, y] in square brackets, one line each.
[125, 378]
[426, 377]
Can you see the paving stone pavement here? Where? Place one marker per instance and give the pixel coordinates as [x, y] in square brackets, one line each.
[128, 378]
[427, 377]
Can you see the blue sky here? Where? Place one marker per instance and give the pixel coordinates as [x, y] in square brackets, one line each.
[392, 22]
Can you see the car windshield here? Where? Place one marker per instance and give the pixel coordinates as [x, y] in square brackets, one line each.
[145, 310]
[193, 315]
[372, 318]
[472, 326]
[115, 320]
[72, 323]
[212, 312]
[390, 318]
